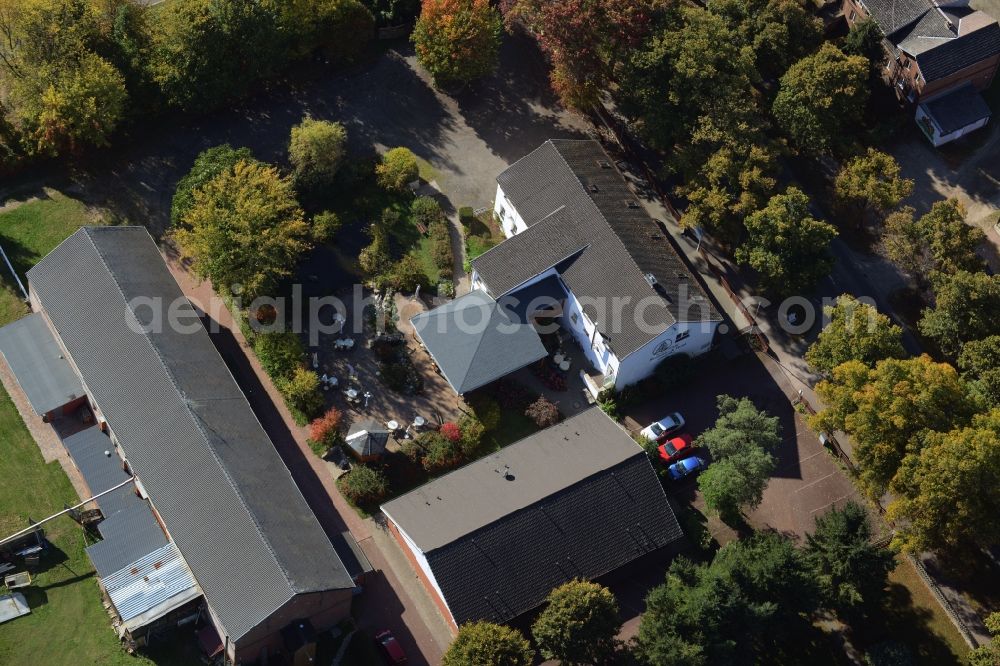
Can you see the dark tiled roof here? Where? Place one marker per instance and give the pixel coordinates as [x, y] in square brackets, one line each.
[957, 109]
[893, 15]
[584, 221]
[475, 342]
[579, 499]
[956, 54]
[185, 427]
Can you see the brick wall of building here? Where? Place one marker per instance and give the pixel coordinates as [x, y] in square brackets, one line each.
[438, 601]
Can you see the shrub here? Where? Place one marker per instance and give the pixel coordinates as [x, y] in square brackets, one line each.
[441, 252]
[472, 435]
[316, 151]
[446, 289]
[363, 485]
[466, 215]
[413, 449]
[674, 371]
[441, 454]
[302, 391]
[512, 394]
[610, 407]
[374, 258]
[407, 274]
[487, 410]
[475, 246]
[451, 431]
[425, 211]
[279, 353]
[325, 226]
[397, 169]
[543, 412]
[325, 431]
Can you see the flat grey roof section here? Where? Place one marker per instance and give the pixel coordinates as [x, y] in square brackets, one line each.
[185, 427]
[463, 501]
[475, 342]
[578, 500]
[37, 362]
[958, 109]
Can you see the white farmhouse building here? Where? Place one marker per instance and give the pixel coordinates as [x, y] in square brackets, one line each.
[580, 247]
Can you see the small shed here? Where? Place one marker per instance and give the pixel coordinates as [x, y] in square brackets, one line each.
[367, 439]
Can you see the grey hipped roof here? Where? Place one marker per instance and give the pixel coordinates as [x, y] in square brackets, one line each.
[957, 109]
[475, 342]
[944, 40]
[37, 362]
[579, 499]
[185, 427]
[367, 437]
[584, 221]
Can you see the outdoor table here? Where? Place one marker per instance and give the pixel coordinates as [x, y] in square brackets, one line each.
[564, 366]
[418, 422]
[392, 425]
[351, 393]
[558, 358]
[332, 381]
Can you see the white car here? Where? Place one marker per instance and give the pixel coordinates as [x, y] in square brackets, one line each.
[654, 432]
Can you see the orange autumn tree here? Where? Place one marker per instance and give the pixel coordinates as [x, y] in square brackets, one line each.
[457, 40]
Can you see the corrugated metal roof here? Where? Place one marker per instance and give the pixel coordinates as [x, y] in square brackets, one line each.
[185, 427]
[149, 582]
[37, 362]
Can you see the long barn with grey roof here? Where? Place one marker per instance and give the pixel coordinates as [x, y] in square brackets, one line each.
[491, 539]
[184, 429]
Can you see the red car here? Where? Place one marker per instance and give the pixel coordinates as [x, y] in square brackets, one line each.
[391, 649]
[676, 448]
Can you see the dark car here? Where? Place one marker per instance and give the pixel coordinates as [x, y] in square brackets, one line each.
[686, 467]
[391, 649]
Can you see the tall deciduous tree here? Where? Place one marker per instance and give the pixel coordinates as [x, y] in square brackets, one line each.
[850, 572]
[584, 39]
[488, 644]
[244, 227]
[458, 40]
[740, 441]
[579, 624]
[871, 182]
[821, 97]
[786, 245]
[209, 164]
[947, 496]
[316, 150]
[939, 242]
[856, 332]
[980, 360]
[889, 409]
[779, 32]
[966, 308]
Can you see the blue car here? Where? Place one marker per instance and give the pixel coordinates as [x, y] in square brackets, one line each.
[686, 467]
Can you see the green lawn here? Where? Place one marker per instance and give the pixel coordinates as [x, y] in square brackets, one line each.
[28, 232]
[67, 624]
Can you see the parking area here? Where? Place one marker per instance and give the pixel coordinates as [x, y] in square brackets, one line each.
[807, 481]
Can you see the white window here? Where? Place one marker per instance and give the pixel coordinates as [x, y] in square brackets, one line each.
[853, 16]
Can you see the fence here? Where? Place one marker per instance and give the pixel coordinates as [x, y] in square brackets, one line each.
[949, 610]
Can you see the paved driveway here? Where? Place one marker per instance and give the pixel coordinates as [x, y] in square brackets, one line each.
[468, 138]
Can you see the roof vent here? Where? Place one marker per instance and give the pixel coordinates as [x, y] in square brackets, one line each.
[604, 164]
[631, 203]
[593, 188]
[651, 279]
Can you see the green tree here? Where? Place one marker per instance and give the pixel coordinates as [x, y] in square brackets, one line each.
[244, 227]
[871, 182]
[316, 151]
[821, 98]
[946, 497]
[693, 67]
[865, 39]
[740, 441]
[939, 242]
[374, 259]
[966, 308]
[209, 164]
[325, 226]
[980, 360]
[302, 392]
[341, 29]
[408, 274]
[397, 169]
[488, 644]
[779, 32]
[786, 245]
[988, 655]
[850, 572]
[363, 485]
[889, 409]
[856, 332]
[579, 625]
[458, 40]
